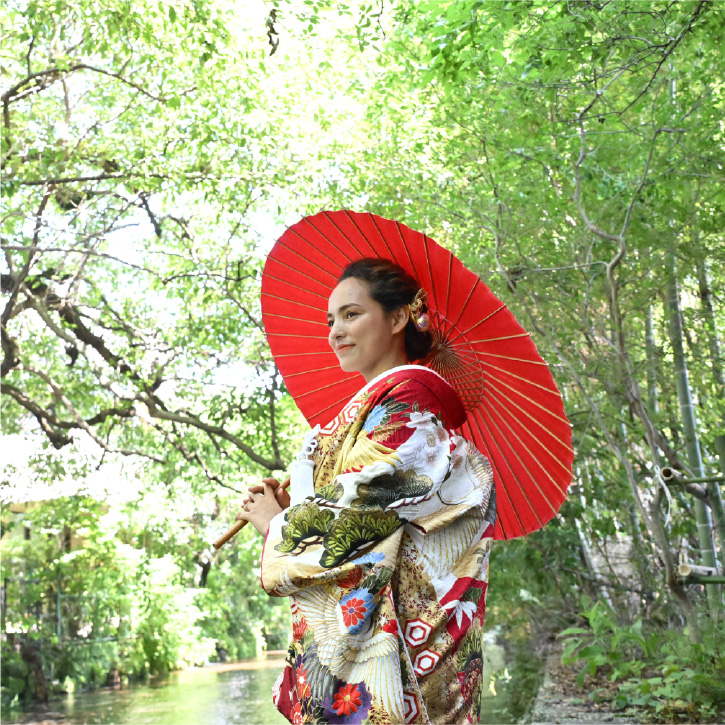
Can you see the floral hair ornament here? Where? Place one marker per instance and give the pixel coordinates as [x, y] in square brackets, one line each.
[420, 318]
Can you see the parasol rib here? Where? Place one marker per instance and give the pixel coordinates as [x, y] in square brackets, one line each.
[326, 353]
[297, 270]
[430, 272]
[307, 259]
[405, 247]
[359, 231]
[294, 319]
[316, 390]
[533, 478]
[528, 381]
[382, 237]
[292, 284]
[513, 359]
[495, 465]
[522, 489]
[336, 403]
[329, 241]
[293, 334]
[448, 286]
[498, 339]
[463, 307]
[313, 370]
[463, 333]
[503, 402]
[293, 302]
[307, 242]
[493, 383]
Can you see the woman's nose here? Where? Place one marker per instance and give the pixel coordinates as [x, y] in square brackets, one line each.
[335, 331]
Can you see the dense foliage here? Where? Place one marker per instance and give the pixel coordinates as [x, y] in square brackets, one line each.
[99, 594]
[569, 152]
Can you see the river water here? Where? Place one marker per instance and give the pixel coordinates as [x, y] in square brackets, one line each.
[235, 694]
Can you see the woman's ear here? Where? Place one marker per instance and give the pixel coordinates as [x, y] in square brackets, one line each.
[400, 318]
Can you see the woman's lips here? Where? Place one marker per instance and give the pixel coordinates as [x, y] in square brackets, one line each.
[341, 348]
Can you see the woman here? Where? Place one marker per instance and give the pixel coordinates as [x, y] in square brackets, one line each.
[383, 548]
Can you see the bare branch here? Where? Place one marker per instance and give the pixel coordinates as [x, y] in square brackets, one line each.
[70, 250]
[45, 419]
[195, 422]
[18, 279]
[82, 424]
[195, 457]
[47, 77]
[272, 420]
[103, 177]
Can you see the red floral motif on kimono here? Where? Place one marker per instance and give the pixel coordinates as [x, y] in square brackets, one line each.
[347, 700]
[481, 609]
[299, 627]
[351, 580]
[297, 714]
[303, 687]
[288, 699]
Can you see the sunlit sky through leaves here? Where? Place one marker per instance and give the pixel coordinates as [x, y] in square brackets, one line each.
[311, 55]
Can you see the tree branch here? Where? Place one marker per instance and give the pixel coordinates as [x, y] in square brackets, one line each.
[195, 422]
[82, 424]
[18, 279]
[45, 419]
[54, 74]
[103, 177]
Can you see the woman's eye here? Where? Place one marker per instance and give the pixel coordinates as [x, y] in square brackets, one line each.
[347, 316]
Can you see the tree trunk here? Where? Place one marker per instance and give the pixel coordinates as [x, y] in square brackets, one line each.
[689, 426]
[650, 517]
[584, 543]
[31, 656]
[713, 343]
[651, 353]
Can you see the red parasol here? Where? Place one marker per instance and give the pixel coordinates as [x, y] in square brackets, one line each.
[515, 412]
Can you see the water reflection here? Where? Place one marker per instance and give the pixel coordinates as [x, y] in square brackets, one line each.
[235, 694]
[216, 695]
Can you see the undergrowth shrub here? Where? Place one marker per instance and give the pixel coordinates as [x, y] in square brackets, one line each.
[660, 673]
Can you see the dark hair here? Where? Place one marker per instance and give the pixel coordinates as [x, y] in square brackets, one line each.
[392, 287]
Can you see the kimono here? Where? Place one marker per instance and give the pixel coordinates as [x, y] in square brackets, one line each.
[383, 554]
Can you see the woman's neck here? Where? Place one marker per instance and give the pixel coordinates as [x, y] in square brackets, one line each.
[394, 360]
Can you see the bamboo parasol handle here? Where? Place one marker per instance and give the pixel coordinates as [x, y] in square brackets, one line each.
[234, 530]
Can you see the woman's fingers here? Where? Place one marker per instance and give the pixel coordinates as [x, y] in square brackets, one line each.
[259, 487]
[263, 508]
[269, 487]
[282, 497]
[272, 487]
[247, 502]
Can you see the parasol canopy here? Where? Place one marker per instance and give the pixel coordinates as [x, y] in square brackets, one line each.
[515, 412]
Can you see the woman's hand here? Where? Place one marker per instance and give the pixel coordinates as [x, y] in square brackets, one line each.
[263, 503]
[280, 493]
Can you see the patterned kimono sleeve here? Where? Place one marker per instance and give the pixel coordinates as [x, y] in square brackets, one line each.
[402, 470]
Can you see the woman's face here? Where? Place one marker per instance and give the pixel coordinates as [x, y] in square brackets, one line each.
[364, 337]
